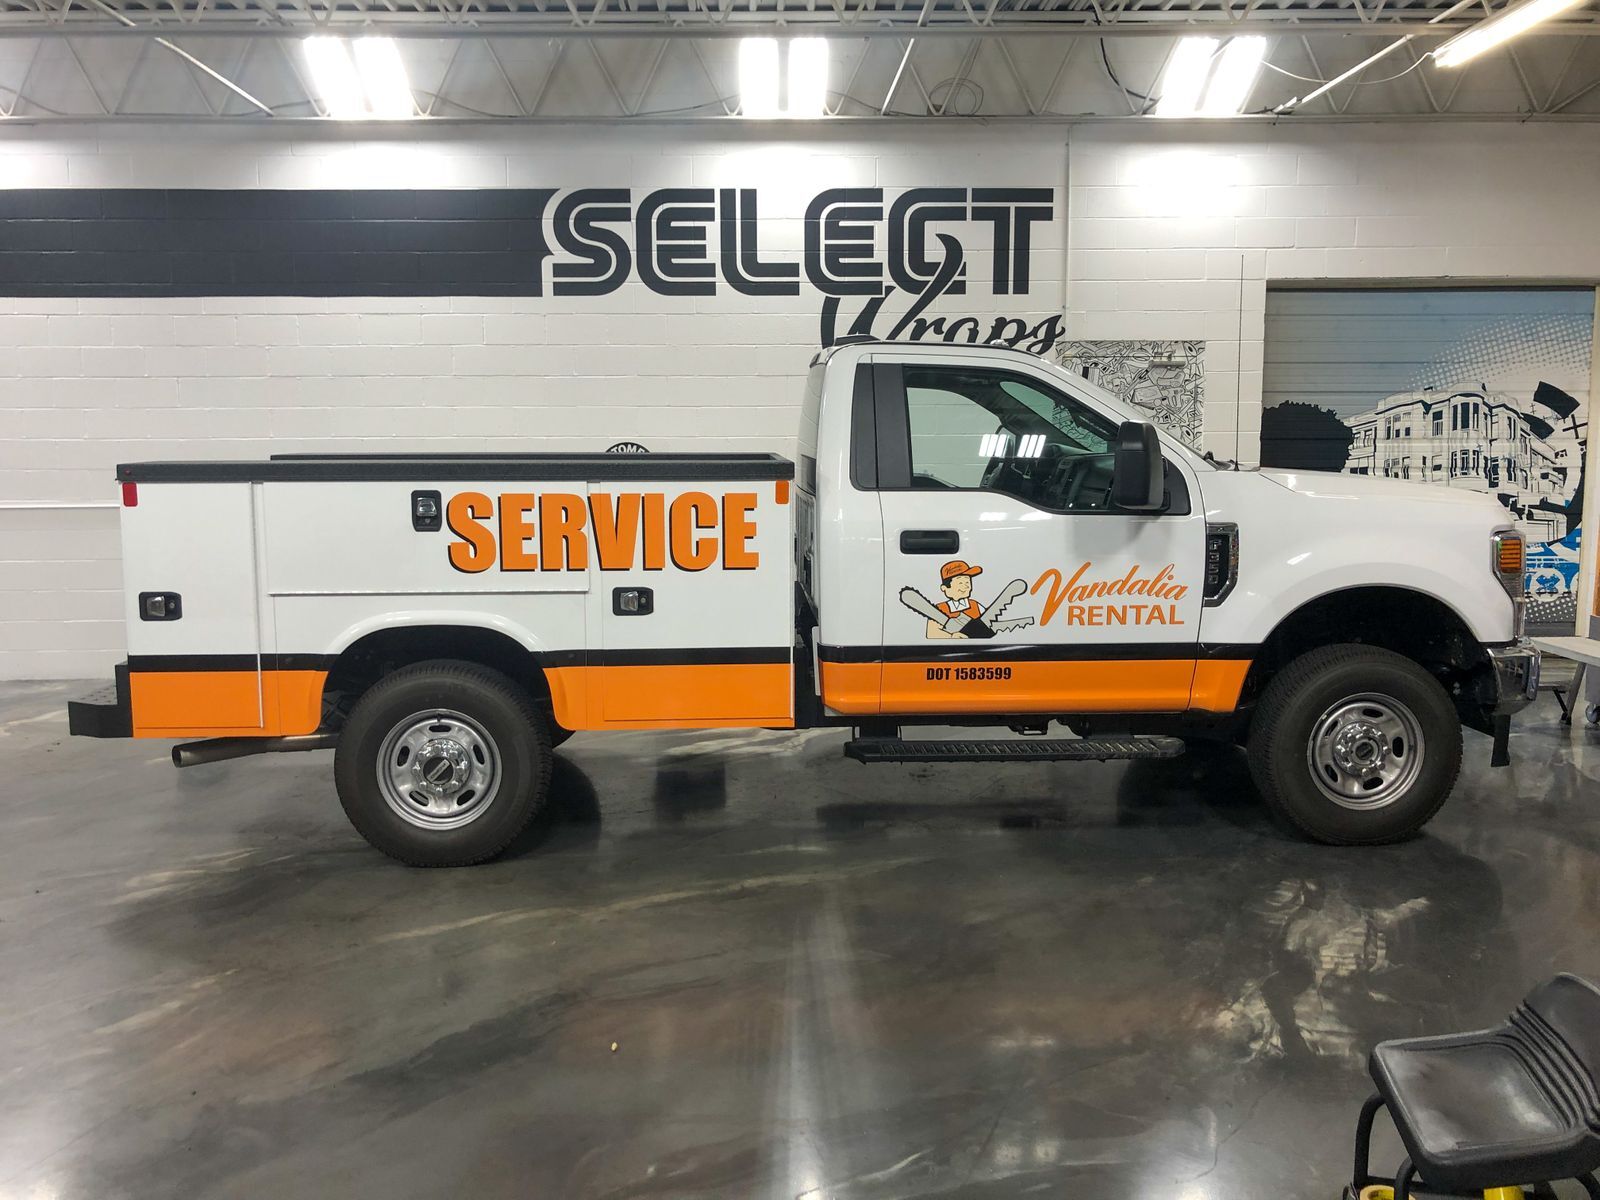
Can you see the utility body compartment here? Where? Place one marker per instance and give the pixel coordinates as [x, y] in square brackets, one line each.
[653, 590]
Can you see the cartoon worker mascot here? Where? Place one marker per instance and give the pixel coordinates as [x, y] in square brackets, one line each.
[959, 614]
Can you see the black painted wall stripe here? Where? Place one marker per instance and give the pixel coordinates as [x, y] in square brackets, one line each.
[257, 242]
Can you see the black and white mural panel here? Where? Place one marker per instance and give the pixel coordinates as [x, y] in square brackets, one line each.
[1163, 377]
[1482, 389]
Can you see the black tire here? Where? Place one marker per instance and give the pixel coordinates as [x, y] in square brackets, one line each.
[509, 731]
[1290, 714]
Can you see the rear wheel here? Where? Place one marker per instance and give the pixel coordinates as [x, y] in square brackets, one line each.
[443, 764]
[1355, 745]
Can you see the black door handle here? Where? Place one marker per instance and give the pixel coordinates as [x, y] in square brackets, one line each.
[929, 541]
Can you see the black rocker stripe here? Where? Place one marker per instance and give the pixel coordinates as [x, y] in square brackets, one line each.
[1034, 652]
[677, 657]
[738, 655]
[688, 656]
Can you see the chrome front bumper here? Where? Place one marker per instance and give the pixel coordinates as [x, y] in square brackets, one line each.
[1516, 677]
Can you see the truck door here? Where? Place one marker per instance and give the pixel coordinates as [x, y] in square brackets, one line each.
[1012, 584]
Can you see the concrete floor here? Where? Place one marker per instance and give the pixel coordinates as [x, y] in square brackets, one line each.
[822, 979]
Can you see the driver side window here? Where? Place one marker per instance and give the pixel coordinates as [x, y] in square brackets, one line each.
[974, 428]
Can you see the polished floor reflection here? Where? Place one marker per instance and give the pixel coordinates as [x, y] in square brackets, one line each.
[820, 979]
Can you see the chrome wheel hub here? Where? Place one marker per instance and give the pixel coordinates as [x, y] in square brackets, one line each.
[1365, 751]
[438, 769]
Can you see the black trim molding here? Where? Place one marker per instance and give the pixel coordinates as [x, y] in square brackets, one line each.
[162, 663]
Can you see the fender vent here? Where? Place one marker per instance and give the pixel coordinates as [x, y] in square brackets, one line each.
[1222, 562]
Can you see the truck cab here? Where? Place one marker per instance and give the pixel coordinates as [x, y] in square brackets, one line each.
[970, 536]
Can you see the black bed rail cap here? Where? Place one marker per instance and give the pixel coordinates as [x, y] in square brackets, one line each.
[375, 468]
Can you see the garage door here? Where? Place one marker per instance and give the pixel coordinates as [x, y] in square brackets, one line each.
[1481, 389]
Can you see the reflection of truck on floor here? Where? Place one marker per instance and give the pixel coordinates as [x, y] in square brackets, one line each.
[971, 537]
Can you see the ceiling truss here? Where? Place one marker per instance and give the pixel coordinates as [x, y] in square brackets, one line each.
[675, 60]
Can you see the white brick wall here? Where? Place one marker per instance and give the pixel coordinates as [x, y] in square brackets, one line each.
[1175, 230]
[1172, 231]
[87, 384]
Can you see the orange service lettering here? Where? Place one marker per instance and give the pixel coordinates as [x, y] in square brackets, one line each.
[554, 531]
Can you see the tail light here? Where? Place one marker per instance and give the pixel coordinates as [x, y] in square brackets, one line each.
[130, 494]
[1509, 558]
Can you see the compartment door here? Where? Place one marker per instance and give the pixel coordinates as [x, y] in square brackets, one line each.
[693, 600]
[197, 674]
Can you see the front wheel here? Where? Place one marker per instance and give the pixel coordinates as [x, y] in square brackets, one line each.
[443, 764]
[1354, 745]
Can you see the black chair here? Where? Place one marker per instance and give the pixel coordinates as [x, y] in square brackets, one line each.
[1518, 1104]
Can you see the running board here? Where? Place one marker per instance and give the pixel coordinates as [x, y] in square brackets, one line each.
[883, 749]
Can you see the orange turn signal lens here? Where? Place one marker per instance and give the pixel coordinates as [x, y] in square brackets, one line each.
[1509, 553]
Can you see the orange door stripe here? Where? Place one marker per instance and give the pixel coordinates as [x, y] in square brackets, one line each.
[1021, 686]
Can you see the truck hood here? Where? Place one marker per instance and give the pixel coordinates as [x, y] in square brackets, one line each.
[1331, 485]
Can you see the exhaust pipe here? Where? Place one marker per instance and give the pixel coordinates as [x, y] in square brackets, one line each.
[192, 754]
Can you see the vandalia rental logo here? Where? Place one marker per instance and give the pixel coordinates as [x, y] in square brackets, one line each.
[699, 241]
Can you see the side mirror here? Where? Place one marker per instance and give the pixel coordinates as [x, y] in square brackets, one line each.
[1138, 481]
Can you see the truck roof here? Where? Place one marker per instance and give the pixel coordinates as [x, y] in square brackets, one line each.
[862, 340]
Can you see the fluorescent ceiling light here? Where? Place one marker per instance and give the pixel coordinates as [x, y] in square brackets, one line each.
[808, 78]
[1185, 77]
[1234, 77]
[1200, 82]
[1519, 18]
[372, 84]
[384, 77]
[794, 84]
[334, 77]
[758, 78]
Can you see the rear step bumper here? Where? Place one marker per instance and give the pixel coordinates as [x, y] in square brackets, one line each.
[883, 749]
[107, 713]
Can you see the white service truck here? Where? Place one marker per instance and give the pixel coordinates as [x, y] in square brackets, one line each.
[971, 537]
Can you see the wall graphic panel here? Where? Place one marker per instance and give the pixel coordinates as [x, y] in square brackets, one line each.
[1481, 389]
[938, 263]
[1166, 379]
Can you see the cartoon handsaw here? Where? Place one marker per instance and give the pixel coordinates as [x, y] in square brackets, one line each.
[973, 627]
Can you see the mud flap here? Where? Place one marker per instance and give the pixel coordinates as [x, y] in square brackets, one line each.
[1500, 756]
